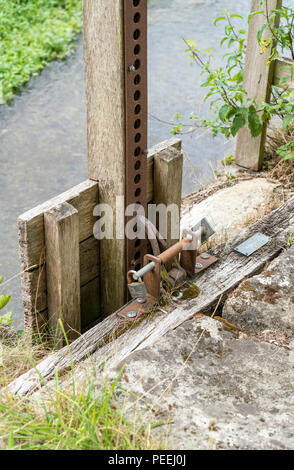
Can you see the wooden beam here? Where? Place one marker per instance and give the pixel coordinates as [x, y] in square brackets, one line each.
[168, 175]
[282, 72]
[258, 77]
[104, 70]
[63, 271]
[83, 197]
[173, 143]
[213, 283]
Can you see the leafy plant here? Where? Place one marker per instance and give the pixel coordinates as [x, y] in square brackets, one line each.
[33, 33]
[5, 319]
[228, 99]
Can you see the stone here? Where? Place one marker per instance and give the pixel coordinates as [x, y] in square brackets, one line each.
[264, 304]
[207, 385]
[231, 209]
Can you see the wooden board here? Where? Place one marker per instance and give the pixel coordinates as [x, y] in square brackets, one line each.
[213, 283]
[258, 77]
[63, 271]
[104, 72]
[83, 197]
[281, 73]
[173, 143]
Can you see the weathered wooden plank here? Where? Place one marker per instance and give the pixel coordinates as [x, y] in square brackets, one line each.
[83, 197]
[63, 271]
[90, 303]
[168, 174]
[281, 73]
[89, 260]
[104, 71]
[258, 77]
[213, 283]
[173, 143]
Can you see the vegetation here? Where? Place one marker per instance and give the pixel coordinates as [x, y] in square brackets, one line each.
[228, 100]
[33, 33]
[72, 418]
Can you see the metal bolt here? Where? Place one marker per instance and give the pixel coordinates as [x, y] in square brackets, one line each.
[132, 68]
[205, 256]
[198, 266]
[132, 314]
[142, 300]
[177, 296]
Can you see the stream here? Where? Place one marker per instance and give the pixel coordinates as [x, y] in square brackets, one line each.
[43, 133]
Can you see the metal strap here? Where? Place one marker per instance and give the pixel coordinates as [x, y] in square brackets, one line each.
[135, 39]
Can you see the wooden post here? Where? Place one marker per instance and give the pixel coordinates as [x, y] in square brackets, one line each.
[104, 69]
[167, 180]
[284, 69]
[258, 78]
[63, 270]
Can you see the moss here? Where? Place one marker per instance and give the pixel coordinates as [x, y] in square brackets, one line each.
[191, 292]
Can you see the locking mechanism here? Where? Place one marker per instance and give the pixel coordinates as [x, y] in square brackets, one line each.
[144, 285]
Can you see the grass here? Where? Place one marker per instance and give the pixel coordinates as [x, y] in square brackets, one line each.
[79, 417]
[33, 33]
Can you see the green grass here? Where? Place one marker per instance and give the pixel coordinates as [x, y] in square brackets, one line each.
[86, 420]
[33, 33]
[80, 416]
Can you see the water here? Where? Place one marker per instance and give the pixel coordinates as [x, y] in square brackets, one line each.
[43, 134]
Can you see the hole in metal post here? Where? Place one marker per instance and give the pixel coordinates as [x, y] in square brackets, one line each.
[137, 18]
[137, 124]
[137, 95]
[137, 49]
[136, 34]
[137, 179]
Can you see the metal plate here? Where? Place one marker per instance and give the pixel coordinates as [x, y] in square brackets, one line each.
[206, 263]
[135, 40]
[253, 244]
[134, 306]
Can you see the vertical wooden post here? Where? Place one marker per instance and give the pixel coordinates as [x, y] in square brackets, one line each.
[63, 270]
[258, 77]
[104, 69]
[167, 174]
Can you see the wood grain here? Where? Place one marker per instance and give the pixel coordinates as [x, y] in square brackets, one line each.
[258, 77]
[213, 283]
[282, 73]
[63, 271]
[83, 197]
[168, 175]
[104, 71]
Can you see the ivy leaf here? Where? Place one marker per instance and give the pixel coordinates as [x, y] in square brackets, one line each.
[287, 120]
[4, 299]
[255, 125]
[238, 123]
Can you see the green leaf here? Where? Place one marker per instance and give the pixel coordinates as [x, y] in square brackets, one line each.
[4, 299]
[220, 18]
[238, 123]
[1, 279]
[255, 125]
[287, 120]
[6, 319]
[224, 111]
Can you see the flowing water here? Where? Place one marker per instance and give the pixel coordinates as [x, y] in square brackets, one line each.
[43, 134]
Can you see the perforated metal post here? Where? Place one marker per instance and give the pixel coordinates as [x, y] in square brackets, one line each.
[135, 38]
